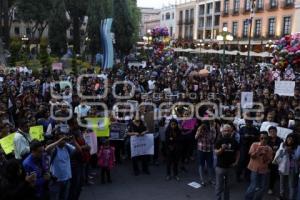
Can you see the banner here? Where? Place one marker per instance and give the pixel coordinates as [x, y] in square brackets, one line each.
[100, 126]
[266, 125]
[142, 145]
[37, 132]
[7, 143]
[247, 100]
[285, 88]
[117, 131]
[57, 66]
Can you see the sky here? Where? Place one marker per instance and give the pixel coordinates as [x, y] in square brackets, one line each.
[154, 3]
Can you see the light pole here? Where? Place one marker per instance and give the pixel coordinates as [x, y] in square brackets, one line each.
[252, 11]
[200, 45]
[224, 36]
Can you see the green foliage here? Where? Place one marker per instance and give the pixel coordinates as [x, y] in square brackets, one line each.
[125, 24]
[58, 25]
[44, 56]
[14, 48]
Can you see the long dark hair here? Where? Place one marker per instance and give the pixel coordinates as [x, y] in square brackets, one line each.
[169, 128]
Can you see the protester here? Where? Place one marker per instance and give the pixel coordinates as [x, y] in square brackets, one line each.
[22, 140]
[173, 148]
[106, 161]
[205, 137]
[260, 157]
[227, 151]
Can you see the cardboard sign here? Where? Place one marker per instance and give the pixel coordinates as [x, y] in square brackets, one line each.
[100, 126]
[37, 132]
[57, 66]
[7, 143]
[247, 100]
[142, 145]
[285, 88]
[266, 125]
[117, 131]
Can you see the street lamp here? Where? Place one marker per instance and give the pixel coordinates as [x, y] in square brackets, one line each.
[200, 45]
[224, 36]
[269, 46]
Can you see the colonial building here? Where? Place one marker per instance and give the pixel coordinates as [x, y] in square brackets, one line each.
[149, 17]
[168, 19]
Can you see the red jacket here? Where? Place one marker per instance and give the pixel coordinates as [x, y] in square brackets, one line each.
[110, 162]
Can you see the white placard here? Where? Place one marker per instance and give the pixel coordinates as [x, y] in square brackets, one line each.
[247, 100]
[195, 185]
[91, 139]
[285, 88]
[1, 79]
[142, 145]
[283, 132]
[266, 125]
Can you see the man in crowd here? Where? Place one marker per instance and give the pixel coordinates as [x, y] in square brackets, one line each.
[22, 140]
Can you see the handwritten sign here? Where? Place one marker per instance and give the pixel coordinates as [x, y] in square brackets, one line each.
[7, 143]
[266, 125]
[285, 88]
[57, 66]
[117, 131]
[37, 132]
[247, 100]
[142, 145]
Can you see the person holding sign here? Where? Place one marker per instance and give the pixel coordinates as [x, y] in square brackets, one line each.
[137, 128]
[261, 156]
[22, 140]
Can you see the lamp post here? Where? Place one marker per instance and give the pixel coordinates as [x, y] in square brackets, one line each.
[200, 45]
[252, 11]
[224, 36]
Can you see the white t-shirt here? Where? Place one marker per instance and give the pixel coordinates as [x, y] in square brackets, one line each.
[151, 85]
[82, 110]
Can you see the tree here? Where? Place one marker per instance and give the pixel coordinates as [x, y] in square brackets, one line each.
[77, 10]
[37, 12]
[58, 25]
[125, 24]
[44, 56]
[6, 8]
[97, 11]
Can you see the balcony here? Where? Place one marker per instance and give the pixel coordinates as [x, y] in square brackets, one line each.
[259, 9]
[189, 21]
[180, 22]
[272, 6]
[245, 10]
[284, 4]
[225, 13]
[235, 12]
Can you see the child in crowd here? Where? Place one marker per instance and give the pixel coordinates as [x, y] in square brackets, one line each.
[106, 160]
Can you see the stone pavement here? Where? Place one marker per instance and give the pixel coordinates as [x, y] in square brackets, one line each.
[125, 186]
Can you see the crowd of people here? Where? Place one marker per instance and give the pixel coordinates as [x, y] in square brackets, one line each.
[231, 142]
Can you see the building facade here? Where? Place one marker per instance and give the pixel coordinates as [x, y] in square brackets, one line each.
[168, 19]
[272, 19]
[149, 17]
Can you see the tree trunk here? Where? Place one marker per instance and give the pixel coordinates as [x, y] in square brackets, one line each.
[6, 24]
[76, 34]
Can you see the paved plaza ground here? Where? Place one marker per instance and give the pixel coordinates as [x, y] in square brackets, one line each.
[125, 186]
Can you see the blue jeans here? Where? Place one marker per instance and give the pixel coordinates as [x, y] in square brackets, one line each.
[59, 190]
[257, 186]
[222, 183]
[206, 159]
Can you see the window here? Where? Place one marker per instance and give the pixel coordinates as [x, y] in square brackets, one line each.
[171, 31]
[163, 17]
[226, 6]
[247, 5]
[17, 31]
[172, 15]
[28, 31]
[245, 28]
[286, 25]
[217, 6]
[260, 4]
[236, 5]
[273, 3]
[201, 10]
[217, 20]
[209, 8]
[289, 2]
[257, 28]
[225, 24]
[201, 22]
[168, 16]
[234, 28]
[186, 14]
[271, 27]
[192, 14]
[208, 21]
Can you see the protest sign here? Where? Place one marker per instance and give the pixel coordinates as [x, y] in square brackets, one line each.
[285, 88]
[7, 143]
[57, 66]
[142, 145]
[247, 99]
[99, 125]
[37, 132]
[283, 132]
[194, 185]
[117, 131]
[134, 104]
[91, 139]
[266, 125]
